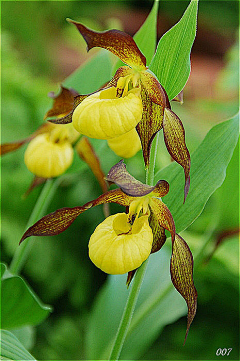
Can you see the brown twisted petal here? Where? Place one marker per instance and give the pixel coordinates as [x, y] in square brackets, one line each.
[163, 215]
[119, 175]
[158, 231]
[150, 124]
[88, 155]
[174, 136]
[116, 41]
[58, 221]
[68, 118]
[182, 276]
[154, 89]
[10, 147]
[63, 102]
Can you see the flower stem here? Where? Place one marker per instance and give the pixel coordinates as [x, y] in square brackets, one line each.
[138, 279]
[38, 211]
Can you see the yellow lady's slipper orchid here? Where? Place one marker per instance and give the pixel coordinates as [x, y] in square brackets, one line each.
[126, 145]
[116, 247]
[123, 241]
[133, 98]
[106, 114]
[46, 158]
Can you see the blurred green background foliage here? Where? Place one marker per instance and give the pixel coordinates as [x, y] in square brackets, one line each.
[39, 50]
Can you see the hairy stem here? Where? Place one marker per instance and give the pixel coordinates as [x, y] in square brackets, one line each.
[38, 211]
[138, 279]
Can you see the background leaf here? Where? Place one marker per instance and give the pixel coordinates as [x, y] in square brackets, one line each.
[20, 305]
[12, 349]
[171, 63]
[146, 36]
[208, 170]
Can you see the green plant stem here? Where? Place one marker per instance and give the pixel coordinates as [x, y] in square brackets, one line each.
[138, 279]
[38, 211]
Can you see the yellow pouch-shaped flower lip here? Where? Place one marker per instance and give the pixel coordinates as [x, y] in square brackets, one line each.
[104, 116]
[47, 159]
[118, 253]
[126, 145]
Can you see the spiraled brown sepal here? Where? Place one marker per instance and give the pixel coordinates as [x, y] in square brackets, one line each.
[119, 175]
[68, 118]
[182, 276]
[174, 136]
[58, 221]
[63, 102]
[116, 41]
[88, 155]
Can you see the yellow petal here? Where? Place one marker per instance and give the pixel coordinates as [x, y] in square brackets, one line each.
[118, 253]
[47, 159]
[104, 116]
[126, 145]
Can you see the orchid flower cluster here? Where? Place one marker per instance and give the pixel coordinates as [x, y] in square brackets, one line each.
[128, 112]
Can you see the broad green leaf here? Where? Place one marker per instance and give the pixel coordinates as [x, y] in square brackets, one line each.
[208, 170]
[12, 349]
[91, 75]
[20, 305]
[146, 36]
[158, 305]
[171, 63]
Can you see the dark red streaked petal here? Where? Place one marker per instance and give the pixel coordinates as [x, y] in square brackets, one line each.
[88, 155]
[68, 118]
[119, 175]
[163, 215]
[158, 231]
[182, 276]
[12, 146]
[116, 41]
[150, 124]
[63, 102]
[58, 221]
[154, 89]
[174, 136]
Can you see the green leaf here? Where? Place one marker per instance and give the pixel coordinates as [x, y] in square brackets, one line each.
[208, 170]
[158, 305]
[12, 349]
[171, 63]
[146, 36]
[92, 75]
[20, 305]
